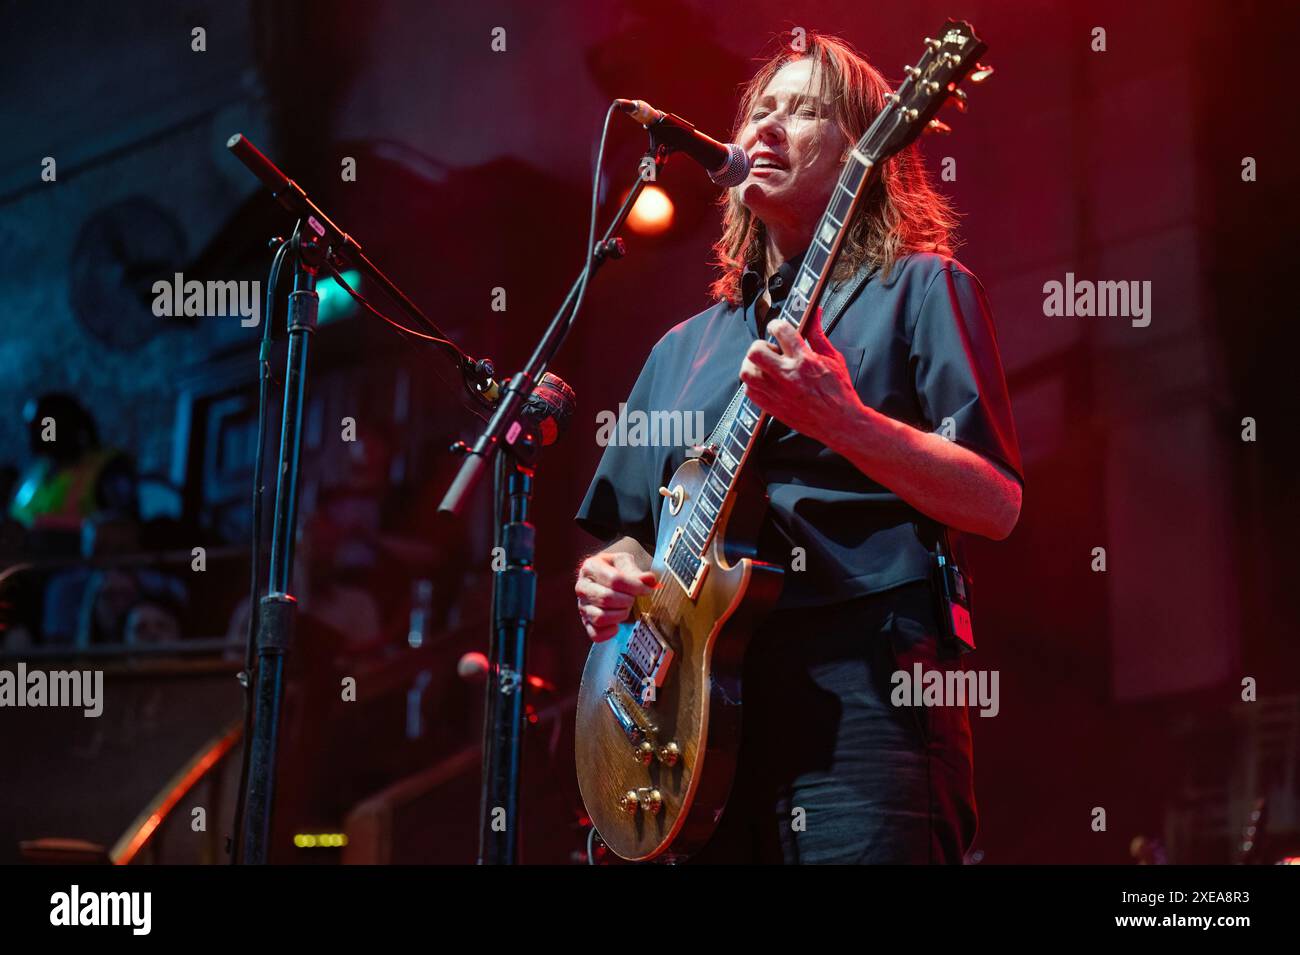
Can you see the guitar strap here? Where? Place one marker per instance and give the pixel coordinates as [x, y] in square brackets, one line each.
[833, 304]
[837, 300]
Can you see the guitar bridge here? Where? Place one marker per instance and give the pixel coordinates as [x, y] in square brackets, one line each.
[634, 731]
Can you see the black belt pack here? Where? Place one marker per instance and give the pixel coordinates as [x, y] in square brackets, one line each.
[952, 591]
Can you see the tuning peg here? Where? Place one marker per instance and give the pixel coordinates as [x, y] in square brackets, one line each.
[981, 73]
[937, 126]
[958, 99]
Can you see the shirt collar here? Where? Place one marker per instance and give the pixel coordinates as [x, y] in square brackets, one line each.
[778, 284]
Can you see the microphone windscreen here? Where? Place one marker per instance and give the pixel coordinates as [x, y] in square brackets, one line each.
[551, 405]
[734, 171]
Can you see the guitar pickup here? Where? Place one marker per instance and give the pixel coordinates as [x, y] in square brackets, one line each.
[643, 665]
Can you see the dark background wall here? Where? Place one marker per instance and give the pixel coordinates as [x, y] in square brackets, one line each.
[472, 173]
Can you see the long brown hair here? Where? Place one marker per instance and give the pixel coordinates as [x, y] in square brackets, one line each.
[902, 213]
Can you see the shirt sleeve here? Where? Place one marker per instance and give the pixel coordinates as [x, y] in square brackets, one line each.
[618, 502]
[957, 371]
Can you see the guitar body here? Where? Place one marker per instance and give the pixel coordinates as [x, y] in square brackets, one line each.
[672, 675]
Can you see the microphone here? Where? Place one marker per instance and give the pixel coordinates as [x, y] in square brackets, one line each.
[726, 163]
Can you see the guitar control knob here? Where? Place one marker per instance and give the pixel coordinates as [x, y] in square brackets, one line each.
[670, 753]
[652, 801]
[630, 802]
[676, 497]
[645, 752]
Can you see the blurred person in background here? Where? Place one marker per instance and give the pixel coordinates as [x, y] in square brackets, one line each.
[151, 621]
[71, 475]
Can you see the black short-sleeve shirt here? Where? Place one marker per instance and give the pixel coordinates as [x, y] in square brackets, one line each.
[920, 347]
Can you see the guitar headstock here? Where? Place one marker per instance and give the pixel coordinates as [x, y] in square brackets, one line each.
[929, 85]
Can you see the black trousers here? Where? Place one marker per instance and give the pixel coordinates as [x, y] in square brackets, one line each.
[829, 771]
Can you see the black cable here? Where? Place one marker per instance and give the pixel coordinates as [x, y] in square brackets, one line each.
[591, 228]
[254, 590]
[466, 365]
[461, 360]
[338, 277]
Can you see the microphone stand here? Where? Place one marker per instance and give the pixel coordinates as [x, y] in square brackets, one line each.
[277, 611]
[514, 591]
[319, 244]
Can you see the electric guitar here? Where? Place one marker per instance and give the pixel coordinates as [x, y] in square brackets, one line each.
[659, 709]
